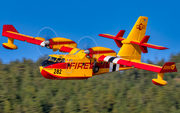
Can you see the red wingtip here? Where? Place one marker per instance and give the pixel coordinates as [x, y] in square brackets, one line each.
[9, 28]
[169, 67]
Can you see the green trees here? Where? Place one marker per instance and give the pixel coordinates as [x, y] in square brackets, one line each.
[23, 89]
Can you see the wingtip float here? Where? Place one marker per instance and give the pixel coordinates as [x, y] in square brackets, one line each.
[82, 64]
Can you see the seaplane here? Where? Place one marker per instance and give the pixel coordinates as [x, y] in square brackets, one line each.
[81, 64]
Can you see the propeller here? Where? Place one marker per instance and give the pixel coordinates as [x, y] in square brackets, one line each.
[46, 33]
[86, 43]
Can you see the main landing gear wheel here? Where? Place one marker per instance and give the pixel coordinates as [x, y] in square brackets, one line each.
[95, 69]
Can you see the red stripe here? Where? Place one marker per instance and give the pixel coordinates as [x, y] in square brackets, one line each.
[134, 42]
[22, 38]
[58, 66]
[66, 49]
[47, 75]
[101, 58]
[107, 36]
[154, 46]
[52, 76]
[140, 65]
[103, 65]
[60, 42]
[100, 52]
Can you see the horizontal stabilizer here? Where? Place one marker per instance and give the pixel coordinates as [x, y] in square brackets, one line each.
[118, 38]
[143, 44]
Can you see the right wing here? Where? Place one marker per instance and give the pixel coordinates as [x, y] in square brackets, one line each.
[54, 43]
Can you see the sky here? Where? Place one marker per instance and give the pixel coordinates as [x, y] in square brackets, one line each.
[74, 19]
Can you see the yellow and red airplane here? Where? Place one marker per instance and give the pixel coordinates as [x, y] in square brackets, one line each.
[82, 64]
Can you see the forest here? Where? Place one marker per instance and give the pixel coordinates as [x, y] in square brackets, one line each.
[24, 90]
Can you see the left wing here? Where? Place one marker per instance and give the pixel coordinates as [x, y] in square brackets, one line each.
[168, 67]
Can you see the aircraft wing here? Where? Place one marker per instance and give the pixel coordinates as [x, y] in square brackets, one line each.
[11, 32]
[168, 66]
[54, 43]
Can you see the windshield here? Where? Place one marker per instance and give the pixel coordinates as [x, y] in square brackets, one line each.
[53, 59]
[48, 57]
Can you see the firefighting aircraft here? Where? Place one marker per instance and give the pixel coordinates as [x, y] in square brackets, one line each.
[82, 64]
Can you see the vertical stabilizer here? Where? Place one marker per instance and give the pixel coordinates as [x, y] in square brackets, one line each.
[132, 51]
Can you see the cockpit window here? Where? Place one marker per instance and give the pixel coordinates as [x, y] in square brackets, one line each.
[48, 57]
[53, 59]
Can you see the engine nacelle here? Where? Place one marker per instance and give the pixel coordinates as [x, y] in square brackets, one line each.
[9, 46]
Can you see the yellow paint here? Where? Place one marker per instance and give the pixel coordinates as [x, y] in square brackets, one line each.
[74, 51]
[97, 55]
[10, 43]
[10, 40]
[19, 34]
[100, 49]
[132, 51]
[71, 72]
[40, 68]
[40, 38]
[60, 39]
[12, 46]
[160, 79]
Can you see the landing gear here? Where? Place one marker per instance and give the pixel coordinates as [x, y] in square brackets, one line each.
[95, 69]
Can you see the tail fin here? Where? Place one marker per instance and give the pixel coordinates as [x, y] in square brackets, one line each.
[135, 43]
[133, 51]
[10, 44]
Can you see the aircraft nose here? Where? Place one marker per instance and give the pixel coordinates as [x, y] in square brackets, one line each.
[45, 74]
[40, 68]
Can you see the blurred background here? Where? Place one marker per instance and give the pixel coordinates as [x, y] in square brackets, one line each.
[23, 89]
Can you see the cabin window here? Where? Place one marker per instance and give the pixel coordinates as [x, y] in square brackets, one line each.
[58, 60]
[63, 60]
